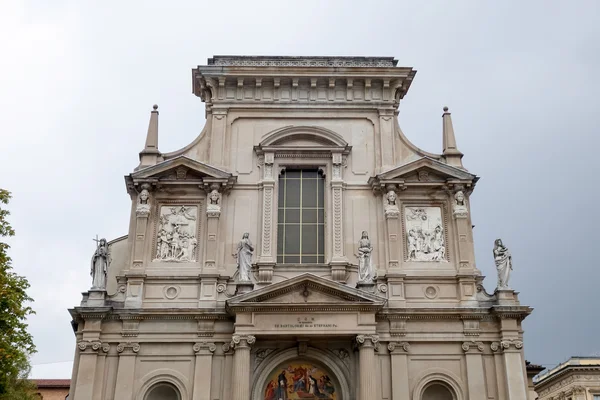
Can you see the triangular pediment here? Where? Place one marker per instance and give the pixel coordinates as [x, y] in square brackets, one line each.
[183, 168]
[425, 171]
[306, 290]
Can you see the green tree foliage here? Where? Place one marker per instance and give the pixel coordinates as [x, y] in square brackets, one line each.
[16, 344]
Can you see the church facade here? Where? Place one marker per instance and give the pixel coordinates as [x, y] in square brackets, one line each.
[301, 247]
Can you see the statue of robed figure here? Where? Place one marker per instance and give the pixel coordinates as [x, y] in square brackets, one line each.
[503, 261]
[365, 268]
[244, 258]
[99, 267]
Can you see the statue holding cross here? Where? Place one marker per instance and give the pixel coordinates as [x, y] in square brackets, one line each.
[99, 267]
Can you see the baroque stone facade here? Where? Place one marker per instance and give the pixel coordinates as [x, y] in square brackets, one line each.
[300, 248]
[576, 379]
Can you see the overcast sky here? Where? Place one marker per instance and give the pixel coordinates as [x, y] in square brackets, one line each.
[77, 83]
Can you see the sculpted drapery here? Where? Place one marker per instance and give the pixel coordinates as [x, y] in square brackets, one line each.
[503, 260]
[244, 258]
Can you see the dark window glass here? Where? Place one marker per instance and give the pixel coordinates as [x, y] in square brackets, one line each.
[301, 224]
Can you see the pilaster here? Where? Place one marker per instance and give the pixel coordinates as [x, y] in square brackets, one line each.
[87, 379]
[142, 212]
[386, 140]
[218, 137]
[339, 261]
[367, 366]
[267, 257]
[399, 360]
[213, 214]
[203, 370]
[241, 366]
[512, 357]
[126, 370]
[475, 377]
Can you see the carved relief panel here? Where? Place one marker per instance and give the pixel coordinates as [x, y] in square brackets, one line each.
[177, 230]
[424, 230]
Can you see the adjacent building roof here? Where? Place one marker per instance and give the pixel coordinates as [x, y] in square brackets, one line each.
[574, 363]
[52, 383]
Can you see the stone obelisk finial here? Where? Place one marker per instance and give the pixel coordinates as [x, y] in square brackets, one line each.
[149, 156]
[451, 153]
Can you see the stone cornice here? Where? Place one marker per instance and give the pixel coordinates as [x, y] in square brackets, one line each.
[300, 61]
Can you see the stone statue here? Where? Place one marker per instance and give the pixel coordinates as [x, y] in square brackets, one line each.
[365, 267]
[390, 204]
[143, 204]
[244, 258]
[99, 267]
[503, 261]
[214, 198]
[460, 205]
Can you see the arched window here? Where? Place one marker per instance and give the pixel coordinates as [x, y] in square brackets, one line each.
[163, 391]
[437, 391]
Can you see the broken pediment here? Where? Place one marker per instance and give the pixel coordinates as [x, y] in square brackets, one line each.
[306, 290]
[302, 138]
[183, 170]
[424, 171]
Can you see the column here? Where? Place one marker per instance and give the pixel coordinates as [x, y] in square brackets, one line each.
[86, 373]
[475, 376]
[126, 371]
[513, 364]
[339, 261]
[241, 366]
[367, 366]
[203, 370]
[399, 356]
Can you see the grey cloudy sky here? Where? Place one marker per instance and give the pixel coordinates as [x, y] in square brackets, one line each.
[78, 79]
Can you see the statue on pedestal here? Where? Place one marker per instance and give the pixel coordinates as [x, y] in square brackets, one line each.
[503, 260]
[99, 267]
[244, 258]
[365, 268]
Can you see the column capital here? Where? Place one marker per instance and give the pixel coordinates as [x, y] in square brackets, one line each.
[89, 346]
[398, 347]
[507, 345]
[366, 341]
[128, 348]
[242, 341]
[204, 348]
[472, 347]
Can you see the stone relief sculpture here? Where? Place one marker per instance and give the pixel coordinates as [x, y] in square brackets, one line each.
[459, 208]
[143, 203]
[365, 267]
[99, 266]
[503, 260]
[214, 200]
[425, 234]
[390, 204]
[244, 258]
[176, 238]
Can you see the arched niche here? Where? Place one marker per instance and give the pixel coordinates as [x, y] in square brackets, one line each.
[299, 136]
[438, 382]
[325, 363]
[437, 391]
[162, 391]
[163, 377]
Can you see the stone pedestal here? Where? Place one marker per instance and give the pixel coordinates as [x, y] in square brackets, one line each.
[96, 297]
[244, 287]
[505, 297]
[241, 366]
[367, 366]
[368, 287]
